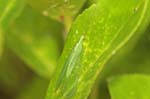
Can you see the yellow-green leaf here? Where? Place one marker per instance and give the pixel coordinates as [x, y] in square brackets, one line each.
[36, 84]
[37, 40]
[61, 10]
[130, 87]
[57, 9]
[94, 37]
[9, 10]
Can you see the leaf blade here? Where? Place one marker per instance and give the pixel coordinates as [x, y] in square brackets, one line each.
[108, 29]
[39, 45]
[120, 88]
[57, 8]
[9, 10]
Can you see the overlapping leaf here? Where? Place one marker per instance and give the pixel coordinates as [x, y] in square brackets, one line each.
[60, 10]
[12, 72]
[57, 9]
[95, 36]
[37, 40]
[132, 58]
[129, 87]
[37, 85]
[9, 9]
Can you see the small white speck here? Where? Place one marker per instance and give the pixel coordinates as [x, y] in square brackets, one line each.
[45, 13]
[65, 0]
[114, 52]
[77, 32]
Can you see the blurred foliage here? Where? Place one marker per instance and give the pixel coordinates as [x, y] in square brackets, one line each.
[1, 42]
[138, 88]
[9, 10]
[61, 10]
[57, 8]
[36, 85]
[13, 74]
[37, 40]
[32, 36]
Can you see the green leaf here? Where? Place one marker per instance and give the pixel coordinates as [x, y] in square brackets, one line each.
[94, 37]
[129, 87]
[9, 10]
[61, 10]
[37, 40]
[132, 58]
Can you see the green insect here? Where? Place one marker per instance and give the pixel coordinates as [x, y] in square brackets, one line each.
[71, 62]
